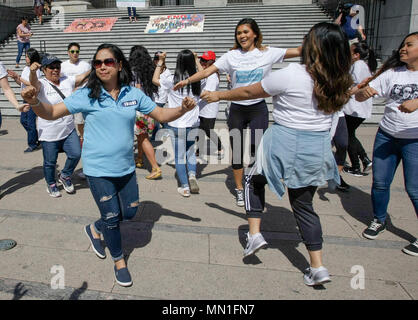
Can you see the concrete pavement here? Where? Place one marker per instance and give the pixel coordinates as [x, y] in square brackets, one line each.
[191, 248]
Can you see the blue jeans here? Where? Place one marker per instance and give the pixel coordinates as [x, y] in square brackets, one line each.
[118, 200]
[28, 121]
[183, 144]
[387, 153]
[20, 47]
[71, 147]
[132, 10]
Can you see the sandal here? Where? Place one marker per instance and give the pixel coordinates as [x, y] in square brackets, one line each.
[139, 163]
[155, 174]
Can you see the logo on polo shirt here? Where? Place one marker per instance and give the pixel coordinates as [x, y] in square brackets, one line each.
[130, 103]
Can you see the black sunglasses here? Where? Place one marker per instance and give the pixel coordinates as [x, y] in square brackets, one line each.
[75, 51]
[109, 62]
[54, 66]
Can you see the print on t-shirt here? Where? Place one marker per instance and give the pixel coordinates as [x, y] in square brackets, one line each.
[250, 76]
[403, 92]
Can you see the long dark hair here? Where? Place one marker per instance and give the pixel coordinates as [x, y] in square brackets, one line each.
[186, 67]
[255, 28]
[395, 60]
[326, 54]
[143, 69]
[366, 54]
[124, 76]
[33, 55]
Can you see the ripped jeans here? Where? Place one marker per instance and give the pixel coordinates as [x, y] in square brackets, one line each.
[118, 200]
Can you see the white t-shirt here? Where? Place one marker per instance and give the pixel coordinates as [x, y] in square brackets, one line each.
[209, 110]
[175, 98]
[249, 67]
[294, 103]
[162, 95]
[3, 70]
[74, 69]
[397, 86]
[26, 74]
[55, 130]
[359, 72]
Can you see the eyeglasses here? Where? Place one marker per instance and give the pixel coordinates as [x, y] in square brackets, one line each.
[54, 66]
[203, 60]
[75, 51]
[109, 62]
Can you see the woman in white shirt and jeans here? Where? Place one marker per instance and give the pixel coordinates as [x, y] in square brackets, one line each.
[397, 137]
[247, 62]
[296, 151]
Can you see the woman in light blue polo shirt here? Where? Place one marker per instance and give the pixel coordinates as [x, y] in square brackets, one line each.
[109, 106]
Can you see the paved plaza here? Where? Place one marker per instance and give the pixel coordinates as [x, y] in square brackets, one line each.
[191, 248]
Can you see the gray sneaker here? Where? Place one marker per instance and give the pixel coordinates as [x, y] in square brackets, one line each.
[53, 191]
[66, 183]
[240, 197]
[317, 277]
[254, 243]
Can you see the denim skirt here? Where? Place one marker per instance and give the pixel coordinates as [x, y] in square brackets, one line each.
[295, 158]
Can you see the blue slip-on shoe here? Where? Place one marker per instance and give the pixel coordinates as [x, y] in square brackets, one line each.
[123, 277]
[96, 244]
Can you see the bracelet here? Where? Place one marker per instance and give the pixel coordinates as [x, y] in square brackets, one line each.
[36, 105]
[159, 65]
[188, 80]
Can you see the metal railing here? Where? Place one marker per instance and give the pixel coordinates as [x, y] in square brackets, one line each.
[372, 11]
[162, 3]
[244, 1]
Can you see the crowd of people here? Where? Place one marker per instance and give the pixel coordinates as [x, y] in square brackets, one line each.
[317, 104]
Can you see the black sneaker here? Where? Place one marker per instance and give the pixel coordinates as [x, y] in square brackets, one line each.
[367, 164]
[354, 171]
[412, 249]
[343, 186]
[374, 229]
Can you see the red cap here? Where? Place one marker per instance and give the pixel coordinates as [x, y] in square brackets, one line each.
[208, 55]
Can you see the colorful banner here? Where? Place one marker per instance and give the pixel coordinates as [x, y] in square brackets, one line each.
[176, 23]
[130, 3]
[91, 25]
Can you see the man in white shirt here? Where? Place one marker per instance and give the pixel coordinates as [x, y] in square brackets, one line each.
[74, 67]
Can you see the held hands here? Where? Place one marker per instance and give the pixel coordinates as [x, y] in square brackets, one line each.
[369, 92]
[23, 107]
[180, 84]
[210, 96]
[409, 106]
[29, 94]
[188, 104]
[12, 74]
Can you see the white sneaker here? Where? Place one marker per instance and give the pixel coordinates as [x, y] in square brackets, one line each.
[185, 192]
[255, 242]
[194, 188]
[240, 197]
[316, 276]
[220, 154]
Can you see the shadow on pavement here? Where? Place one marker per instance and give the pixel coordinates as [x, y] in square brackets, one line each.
[274, 219]
[137, 233]
[358, 204]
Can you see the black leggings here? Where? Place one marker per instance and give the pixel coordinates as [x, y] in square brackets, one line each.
[255, 117]
[301, 201]
[355, 148]
[340, 142]
[207, 125]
